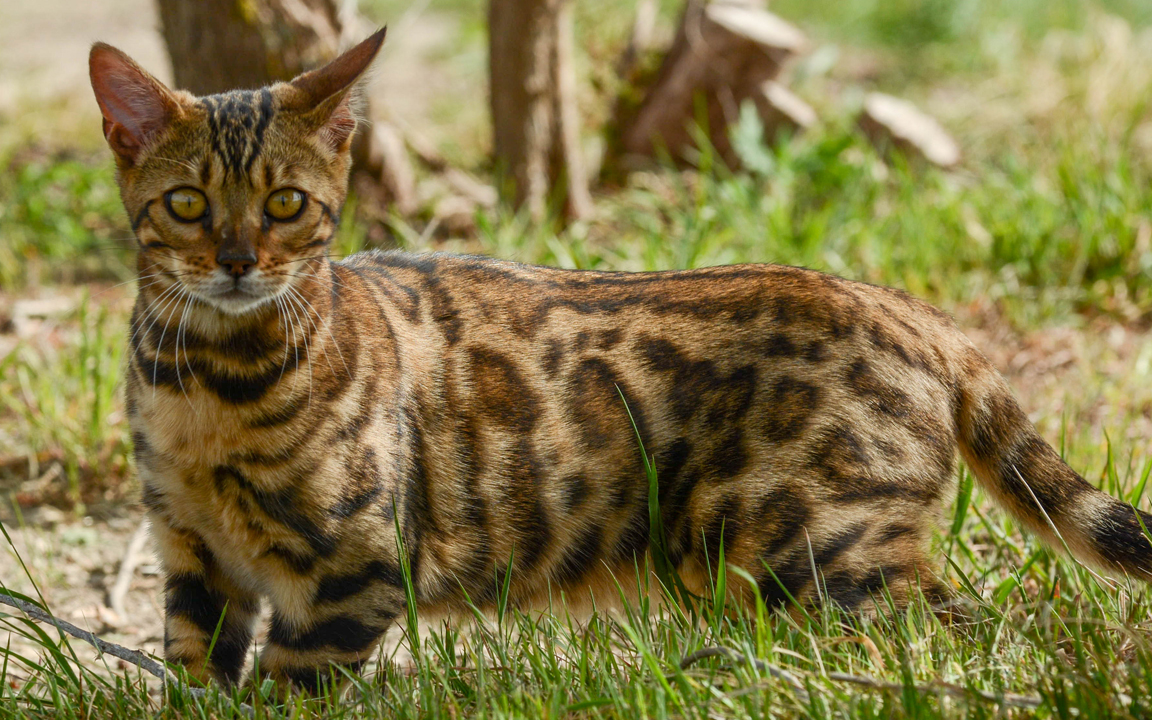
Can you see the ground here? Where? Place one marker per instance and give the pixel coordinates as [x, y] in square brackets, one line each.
[1039, 244]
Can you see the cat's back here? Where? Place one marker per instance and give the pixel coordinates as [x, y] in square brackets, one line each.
[523, 298]
[761, 392]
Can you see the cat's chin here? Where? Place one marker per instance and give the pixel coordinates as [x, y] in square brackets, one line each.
[237, 303]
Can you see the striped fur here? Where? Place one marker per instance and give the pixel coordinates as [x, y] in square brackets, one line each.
[288, 419]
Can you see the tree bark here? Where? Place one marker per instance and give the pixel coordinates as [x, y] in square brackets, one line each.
[221, 45]
[723, 54]
[536, 134]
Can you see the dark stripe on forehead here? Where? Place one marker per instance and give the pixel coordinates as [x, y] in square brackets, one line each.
[141, 216]
[236, 124]
[264, 117]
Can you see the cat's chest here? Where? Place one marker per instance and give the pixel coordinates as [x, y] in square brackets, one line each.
[187, 428]
[225, 479]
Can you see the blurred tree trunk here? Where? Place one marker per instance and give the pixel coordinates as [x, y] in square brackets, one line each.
[533, 99]
[221, 45]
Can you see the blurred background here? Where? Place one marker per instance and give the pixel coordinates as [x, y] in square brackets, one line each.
[992, 157]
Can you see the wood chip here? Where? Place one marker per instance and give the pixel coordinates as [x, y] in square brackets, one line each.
[889, 120]
[779, 108]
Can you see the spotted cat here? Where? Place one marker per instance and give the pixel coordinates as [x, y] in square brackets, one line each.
[290, 412]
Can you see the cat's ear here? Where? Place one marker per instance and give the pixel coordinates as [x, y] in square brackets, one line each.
[136, 106]
[326, 95]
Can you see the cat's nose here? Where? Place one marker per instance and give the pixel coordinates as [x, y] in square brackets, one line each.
[237, 263]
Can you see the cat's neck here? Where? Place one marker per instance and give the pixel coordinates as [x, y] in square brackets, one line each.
[244, 358]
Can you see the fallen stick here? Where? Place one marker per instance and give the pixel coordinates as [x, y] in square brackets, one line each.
[778, 673]
[1009, 699]
[135, 657]
[127, 569]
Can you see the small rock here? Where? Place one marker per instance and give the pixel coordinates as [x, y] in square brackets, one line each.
[45, 516]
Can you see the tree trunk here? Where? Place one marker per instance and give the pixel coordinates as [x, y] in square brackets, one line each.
[724, 53]
[535, 121]
[221, 45]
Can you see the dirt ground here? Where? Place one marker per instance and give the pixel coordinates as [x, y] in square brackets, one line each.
[44, 64]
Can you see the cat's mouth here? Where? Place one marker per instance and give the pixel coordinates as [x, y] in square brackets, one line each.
[236, 296]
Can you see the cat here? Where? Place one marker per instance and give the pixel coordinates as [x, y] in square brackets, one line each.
[292, 415]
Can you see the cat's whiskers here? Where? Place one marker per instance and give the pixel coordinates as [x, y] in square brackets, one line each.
[137, 279]
[175, 161]
[307, 346]
[315, 330]
[147, 311]
[182, 332]
[183, 295]
[142, 287]
[334, 279]
[159, 345]
[295, 344]
[154, 251]
[307, 258]
[280, 316]
[282, 263]
[327, 329]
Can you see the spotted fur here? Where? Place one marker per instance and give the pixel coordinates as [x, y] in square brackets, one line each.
[290, 412]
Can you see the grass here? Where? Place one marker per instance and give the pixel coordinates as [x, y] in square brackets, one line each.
[1048, 219]
[1039, 630]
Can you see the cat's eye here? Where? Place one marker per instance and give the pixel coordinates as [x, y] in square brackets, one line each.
[285, 204]
[187, 204]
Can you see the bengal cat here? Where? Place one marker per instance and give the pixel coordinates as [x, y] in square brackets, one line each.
[290, 412]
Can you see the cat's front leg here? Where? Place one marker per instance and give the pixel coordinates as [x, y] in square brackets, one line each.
[307, 652]
[208, 619]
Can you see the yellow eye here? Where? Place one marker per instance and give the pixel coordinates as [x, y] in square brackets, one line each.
[187, 204]
[284, 204]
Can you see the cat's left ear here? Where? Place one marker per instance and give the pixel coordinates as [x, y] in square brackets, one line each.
[326, 94]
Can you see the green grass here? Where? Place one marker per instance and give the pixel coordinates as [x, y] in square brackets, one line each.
[1037, 630]
[1048, 219]
[62, 406]
[61, 221]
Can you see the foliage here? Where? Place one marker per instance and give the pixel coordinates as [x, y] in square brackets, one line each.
[60, 220]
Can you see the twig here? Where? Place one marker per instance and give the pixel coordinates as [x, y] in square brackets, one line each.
[1008, 699]
[135, 657]
[778, 673]
[127, 569]
[462, 182]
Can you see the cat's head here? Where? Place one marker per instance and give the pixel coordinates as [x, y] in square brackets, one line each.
[230, 195]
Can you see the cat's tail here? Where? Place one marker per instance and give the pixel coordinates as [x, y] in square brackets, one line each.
[1027, 476]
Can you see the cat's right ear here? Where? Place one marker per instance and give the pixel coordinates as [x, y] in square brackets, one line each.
[136, 106]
